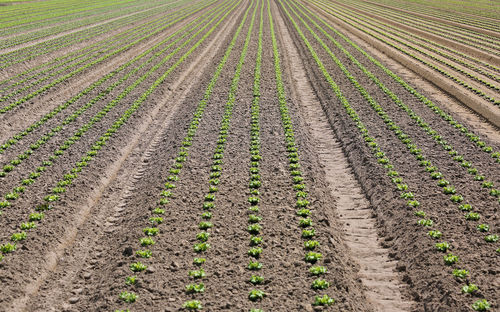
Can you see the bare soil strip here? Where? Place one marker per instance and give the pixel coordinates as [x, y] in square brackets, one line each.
[377, 271]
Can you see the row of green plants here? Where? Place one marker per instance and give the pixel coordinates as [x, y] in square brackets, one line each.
[57, 191]
[128, 295]
[254, 228]
[405, 138]
[86, 54]
[24, 99]
[33, 14]
[445, 15]
[436, 68]
[479, 143]
[449, 259]
[119, 10]
[450, 31]
[37, 50]
[209, 204]
[32, 51]
[46, 22]
[312, 256]
[31, 9]
[66, 66]
[19, 136]
[184, 31]
[386, 30]
[436, 48]
[98, 29]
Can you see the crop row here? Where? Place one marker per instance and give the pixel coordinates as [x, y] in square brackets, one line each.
[405, 138]
[444, 14]
[79, 70]
[16, 138]
[59, 22]
[418, 58]
[169, 187]
[32, 51]
[430, 45]
[60, 188]
[449, 259]
[209, 203]
[305, 224]
[94, 19]
[385, 30]
[459, 128]
[28, 17]
[55, 194]
[103, 47]
[437, 48]
[69, 57]
[184, 31]
[29, 10]
[447, 31]
[254, 228]
[47, 22]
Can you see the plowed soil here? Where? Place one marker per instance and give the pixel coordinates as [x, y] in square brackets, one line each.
[376, 255]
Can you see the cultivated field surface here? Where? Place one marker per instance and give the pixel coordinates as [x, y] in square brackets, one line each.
[250, 155]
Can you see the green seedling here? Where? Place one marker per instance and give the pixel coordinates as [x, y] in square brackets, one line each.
[137, 267]
[144, 253]
[197, 273]
[199, 261]
[193, 305]
[317, 270]
[255, 252]
[313, 257]
[254, 265]
[18, 236]
[450, 259]
[256, 294]
[200, 247]
[128, 297]
[323, 301]
[469, 289]
[320, 284]
[146, 241]
[255, 279]
[195, 288]
[444, 246]
[131, 280]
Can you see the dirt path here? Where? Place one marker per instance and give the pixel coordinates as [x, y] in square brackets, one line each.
[377, 271]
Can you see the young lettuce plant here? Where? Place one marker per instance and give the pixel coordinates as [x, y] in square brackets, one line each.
[256, 294]
[193, 305]
[323, 301]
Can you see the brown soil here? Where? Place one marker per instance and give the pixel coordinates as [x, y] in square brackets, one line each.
[474, 102]
[377, 258]
[377, 272]
[37, 107]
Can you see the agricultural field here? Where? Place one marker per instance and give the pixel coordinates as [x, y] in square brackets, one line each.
[250, 155]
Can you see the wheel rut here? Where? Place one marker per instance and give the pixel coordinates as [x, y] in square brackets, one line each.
[377, 272]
